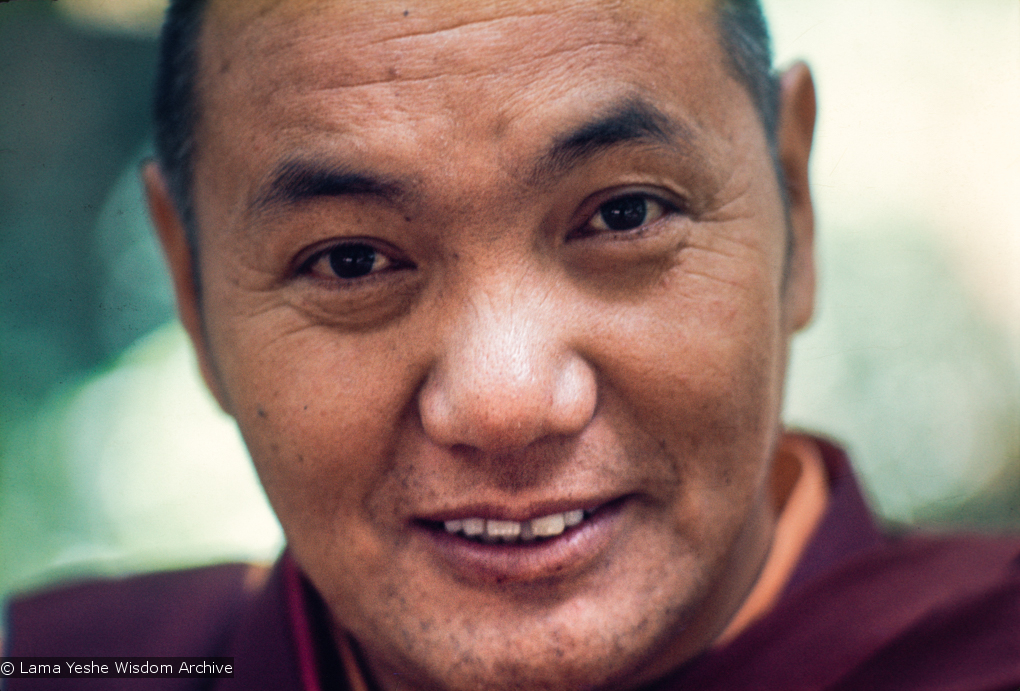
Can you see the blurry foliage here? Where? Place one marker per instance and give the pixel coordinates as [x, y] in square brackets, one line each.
[74, 107]
[920, 386]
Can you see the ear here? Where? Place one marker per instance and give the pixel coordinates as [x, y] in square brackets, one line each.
[179, 256]
[796, 133]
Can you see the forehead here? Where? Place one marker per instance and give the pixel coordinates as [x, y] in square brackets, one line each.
[449, 34]
[380, 53]
[428, 83]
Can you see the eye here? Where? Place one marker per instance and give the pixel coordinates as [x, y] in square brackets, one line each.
[622, 214]
[347, 261]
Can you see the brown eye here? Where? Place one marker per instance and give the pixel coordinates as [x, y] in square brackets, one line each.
[354, 260]
[348, 261]
[625, 213]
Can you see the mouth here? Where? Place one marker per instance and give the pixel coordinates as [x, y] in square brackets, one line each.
[481, 545]
[489, 531]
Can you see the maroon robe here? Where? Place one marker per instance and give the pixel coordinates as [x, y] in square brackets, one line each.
[861, 611]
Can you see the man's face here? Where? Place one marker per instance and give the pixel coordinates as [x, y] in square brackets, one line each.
[466, 262]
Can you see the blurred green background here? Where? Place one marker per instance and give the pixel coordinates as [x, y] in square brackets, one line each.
[113, 458]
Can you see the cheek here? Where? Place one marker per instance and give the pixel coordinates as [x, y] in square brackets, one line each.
[702, 379]
[319, 415]
[713, 363]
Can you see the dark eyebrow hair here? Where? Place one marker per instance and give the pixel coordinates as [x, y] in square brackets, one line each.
[297, 180]
[631, 120]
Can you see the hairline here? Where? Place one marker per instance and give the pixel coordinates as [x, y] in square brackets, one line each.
[177, 97]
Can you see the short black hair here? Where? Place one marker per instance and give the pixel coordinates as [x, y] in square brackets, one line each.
[747, 45]
[743, 36]
[175, 103]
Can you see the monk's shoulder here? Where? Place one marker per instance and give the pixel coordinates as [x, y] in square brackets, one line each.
[171, 613]
[946, 610]
[908, 613]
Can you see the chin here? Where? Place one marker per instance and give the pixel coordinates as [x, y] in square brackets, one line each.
[603, 630]
[546, 655]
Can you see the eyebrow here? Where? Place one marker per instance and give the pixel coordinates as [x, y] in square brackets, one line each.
[297, 180]
[633, 120]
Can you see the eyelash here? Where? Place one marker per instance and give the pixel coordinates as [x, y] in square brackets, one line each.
[646, 204]
[354, 262]
[626, 205]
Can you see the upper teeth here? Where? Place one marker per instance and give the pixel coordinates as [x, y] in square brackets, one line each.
[512, 531]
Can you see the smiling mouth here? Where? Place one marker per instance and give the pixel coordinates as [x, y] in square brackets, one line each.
[486, 545]
[489, 531]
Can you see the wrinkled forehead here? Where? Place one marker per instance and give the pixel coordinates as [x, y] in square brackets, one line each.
[267, 45]
[362, 23]
[446, 88]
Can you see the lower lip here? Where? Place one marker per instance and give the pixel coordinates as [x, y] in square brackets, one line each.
[559, 557]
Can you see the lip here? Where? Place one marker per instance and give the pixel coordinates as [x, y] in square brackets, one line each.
[559, 557]
[526, 513]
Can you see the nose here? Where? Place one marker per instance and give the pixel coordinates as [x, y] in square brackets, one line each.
[508, 375]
